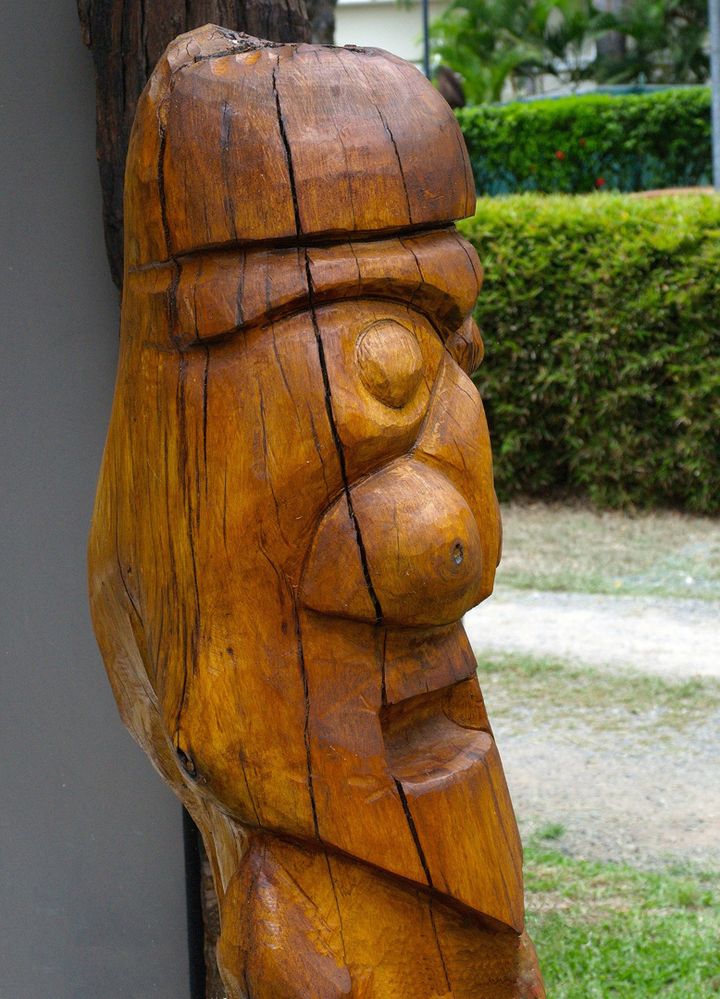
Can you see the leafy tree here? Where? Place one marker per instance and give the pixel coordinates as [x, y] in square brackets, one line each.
[494, 42]
[665, 43]
[520, 43]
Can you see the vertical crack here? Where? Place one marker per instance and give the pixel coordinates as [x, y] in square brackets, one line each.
[421, 280]
[206, 373]
[340, 452]
[338, 447]
[306, 727]
[383, 685]
[286, 144]
[413, 831]
[229, 201]
[175, 280]
[387, 128]
[337, 905]
[439, 947]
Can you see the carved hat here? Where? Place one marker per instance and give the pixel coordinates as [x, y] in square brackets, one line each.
[239, 141]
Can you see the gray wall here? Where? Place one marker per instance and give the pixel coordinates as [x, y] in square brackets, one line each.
[92, 902]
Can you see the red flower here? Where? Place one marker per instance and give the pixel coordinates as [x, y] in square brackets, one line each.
[582, 142]
[600, 182]
[559, 154]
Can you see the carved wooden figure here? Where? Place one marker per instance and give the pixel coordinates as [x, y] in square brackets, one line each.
[296, 508]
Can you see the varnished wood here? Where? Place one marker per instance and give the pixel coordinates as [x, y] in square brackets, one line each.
[295, 510]
[127, 37]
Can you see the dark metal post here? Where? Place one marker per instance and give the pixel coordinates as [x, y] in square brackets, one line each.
[714, 21]
[426, 35]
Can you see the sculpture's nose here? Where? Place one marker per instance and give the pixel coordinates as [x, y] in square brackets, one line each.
[403, 546]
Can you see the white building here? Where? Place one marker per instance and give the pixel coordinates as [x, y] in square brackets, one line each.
[384, 24]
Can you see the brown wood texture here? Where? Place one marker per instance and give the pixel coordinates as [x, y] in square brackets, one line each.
[127, 37]
[295, 509]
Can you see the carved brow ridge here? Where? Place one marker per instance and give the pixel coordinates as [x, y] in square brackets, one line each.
[312, 240]
[218, 293]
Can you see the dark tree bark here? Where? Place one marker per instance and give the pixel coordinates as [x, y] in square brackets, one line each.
[214, 988]
[321, 14]
[449, 85]
[612, 45]
[126, 38]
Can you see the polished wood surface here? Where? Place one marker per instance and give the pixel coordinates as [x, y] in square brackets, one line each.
[295, 510]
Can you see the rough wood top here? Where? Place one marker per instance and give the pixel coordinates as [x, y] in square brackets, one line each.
[239, 141]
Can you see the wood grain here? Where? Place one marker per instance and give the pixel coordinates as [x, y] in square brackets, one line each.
[127, 37]
[294, 511]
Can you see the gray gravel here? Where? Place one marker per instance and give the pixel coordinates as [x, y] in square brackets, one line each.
[624, 792]
[652, 634]
[618, 797]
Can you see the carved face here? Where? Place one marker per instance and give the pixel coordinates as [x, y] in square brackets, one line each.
[295, 511]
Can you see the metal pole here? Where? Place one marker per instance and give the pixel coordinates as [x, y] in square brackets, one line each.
[426, 34]
[714, 20]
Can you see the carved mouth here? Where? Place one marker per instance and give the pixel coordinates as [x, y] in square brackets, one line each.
[442, 757]
[421, 660]
[433, 720]
[435, 736]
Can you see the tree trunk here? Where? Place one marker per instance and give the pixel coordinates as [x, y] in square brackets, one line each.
[321, 14]
[127, 37]
[612, 45]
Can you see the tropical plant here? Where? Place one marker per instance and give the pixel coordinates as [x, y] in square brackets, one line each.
[518, 45]
[494, 42]
[665, 42]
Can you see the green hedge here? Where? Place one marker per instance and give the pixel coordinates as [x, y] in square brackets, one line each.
[630, 142]
[601, 316]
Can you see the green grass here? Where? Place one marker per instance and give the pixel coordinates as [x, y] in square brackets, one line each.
[608, 930]
[642, 701]
[576, 549]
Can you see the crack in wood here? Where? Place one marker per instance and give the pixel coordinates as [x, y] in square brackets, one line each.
[225, 132]
[341, 456]
[286, 145]
[171, 259]
[337, 905]
[439, 945]
[306, 726]
[413, 831]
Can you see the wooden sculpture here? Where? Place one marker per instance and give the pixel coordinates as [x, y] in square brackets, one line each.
[296, 508]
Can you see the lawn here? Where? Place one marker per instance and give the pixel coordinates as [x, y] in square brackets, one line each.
[646, 704]
[610, 930]
[576, 549]
[606, 930]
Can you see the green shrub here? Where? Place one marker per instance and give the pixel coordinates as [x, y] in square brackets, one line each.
[629, 142]
[601, 317]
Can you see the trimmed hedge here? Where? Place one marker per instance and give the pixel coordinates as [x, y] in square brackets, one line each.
[601, 316]
[629, 142]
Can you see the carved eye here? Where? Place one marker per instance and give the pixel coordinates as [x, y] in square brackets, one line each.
[390, 362]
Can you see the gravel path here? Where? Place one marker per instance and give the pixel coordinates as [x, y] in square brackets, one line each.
[619, 797]
[664, 636]
[625, 793]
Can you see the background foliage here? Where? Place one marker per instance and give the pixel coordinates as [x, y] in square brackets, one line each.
[631, 142]
[602, 377]
[527, 46]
